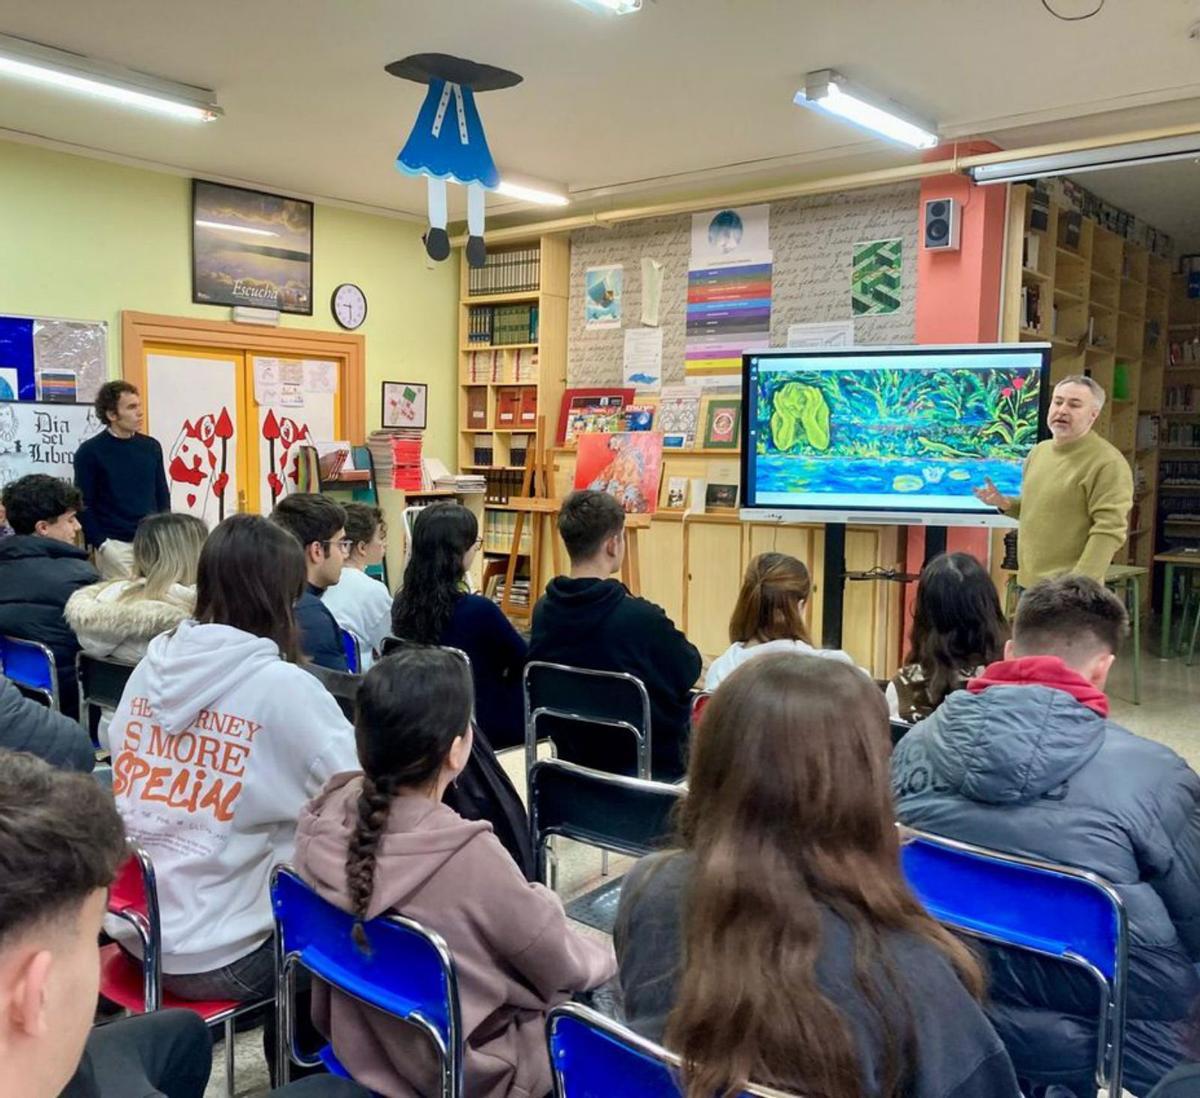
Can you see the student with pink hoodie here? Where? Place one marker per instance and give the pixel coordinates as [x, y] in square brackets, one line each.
[382, 841]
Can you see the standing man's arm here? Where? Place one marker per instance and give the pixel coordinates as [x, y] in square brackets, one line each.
[1110, 496]
[162, 492]
[87, 480]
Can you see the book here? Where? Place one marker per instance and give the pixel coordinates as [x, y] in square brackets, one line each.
[721, 424]
[722, 485]
[484, 449]
[508, 404]
[528, 406]
[674, 493]
[477, 407]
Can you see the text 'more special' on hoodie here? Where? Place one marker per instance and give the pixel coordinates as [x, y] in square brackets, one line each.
[514, 951]
[217, 744]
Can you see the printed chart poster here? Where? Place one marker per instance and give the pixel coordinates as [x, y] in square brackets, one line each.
[603, 288]
[875, 278]
[728, 312]
[626, 465]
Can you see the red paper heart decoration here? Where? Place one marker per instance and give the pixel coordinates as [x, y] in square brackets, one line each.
[191, 500]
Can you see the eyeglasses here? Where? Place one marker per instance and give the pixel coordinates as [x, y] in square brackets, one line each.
[344, 544]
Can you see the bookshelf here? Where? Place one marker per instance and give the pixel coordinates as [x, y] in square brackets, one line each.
[1179, 431]
[1101, 302]
[512, 368]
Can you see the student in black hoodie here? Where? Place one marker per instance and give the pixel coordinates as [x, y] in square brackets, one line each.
[589, 619]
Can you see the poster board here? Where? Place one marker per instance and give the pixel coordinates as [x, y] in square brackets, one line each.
[42, 437]
[52, 359]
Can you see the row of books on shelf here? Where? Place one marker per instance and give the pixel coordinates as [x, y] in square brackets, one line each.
[500, 485]
[484, 451]
[499, 529]
[1185, 352]
[488, 366]
[516, 406]
[1180, 398]
[497, 325]
[494, 590]
[1177, 474]
[1183, 434]
[512, 272]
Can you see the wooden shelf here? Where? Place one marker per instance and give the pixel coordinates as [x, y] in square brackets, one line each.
[1037, 276]
[1067, 295]
[472, 347]
[497, 431]
[501, 299]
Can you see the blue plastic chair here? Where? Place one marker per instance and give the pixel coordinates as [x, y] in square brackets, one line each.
[31, 666]
[350, 647]
[592, 1056]
[1054, 911]
[408, 974]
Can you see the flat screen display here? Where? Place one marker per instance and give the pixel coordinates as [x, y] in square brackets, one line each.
[890, 432]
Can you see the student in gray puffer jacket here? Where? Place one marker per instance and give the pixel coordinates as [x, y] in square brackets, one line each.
[1024, 760]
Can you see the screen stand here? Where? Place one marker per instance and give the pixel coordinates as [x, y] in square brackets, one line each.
[935, 542]
[835, 584]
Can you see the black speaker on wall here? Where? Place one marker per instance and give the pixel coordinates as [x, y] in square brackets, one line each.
[943, 220]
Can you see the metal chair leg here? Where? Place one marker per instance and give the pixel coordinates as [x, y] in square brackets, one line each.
[1191, 652]
[603, 863]
[1136, 613]
[229, 1091]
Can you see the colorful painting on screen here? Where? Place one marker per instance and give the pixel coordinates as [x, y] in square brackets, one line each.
[625, 464]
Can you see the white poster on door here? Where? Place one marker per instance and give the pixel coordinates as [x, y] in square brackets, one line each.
[192, 409]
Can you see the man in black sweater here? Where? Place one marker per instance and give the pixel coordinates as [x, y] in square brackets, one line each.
[120, 474]
[589, 619]
[319, 525]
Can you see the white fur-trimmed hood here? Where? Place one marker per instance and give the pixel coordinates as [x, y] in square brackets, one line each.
[108, 628]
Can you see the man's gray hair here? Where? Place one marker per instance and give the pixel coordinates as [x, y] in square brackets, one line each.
[1088, 383]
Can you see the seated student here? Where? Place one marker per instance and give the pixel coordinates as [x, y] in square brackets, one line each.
[358, 602]
[60, 846]
[589, 619]
[319, 525]
[958, 629]
[779, 943]
[28, 725]
[382, 841]
[1025, 760]
[6, 531]
[769, 617]
[217, 743]
[40, 568]
[433, 606]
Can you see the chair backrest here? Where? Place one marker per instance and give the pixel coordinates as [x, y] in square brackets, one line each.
[408, 972]
[101, 683]
[598, 719]
[1054, 911]
[592, 1056]
[700, 700]
[353, 654]
[133, 898]
[613, 811]
[899, 729]
[343, 685]
[31, 666]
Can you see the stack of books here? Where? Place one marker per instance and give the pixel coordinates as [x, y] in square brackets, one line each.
[465, 484]
[380, 445]
[525, 365]
[406, 460]
[484, 366]
[518, 271]
[520, 592]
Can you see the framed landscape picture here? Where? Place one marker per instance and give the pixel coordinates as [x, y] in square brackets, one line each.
[251, 248]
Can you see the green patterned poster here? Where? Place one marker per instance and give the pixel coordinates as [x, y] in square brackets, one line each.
[875, 278]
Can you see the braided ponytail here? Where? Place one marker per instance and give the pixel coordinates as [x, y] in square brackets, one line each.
[410, 708]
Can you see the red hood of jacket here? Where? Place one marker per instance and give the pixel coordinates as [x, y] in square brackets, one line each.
[1041, 671]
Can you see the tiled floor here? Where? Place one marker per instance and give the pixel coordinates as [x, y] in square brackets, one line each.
[1169, 713]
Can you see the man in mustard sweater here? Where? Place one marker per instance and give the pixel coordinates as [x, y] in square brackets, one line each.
[1076, 492]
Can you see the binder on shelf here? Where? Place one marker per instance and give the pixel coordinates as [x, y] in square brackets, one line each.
[477, 407]
[508, 405]
[528, 406]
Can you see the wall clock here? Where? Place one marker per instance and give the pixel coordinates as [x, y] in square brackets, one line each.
[349, 306]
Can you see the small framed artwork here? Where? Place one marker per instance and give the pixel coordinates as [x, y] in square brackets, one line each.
[675, 441]
[251, 248]
[404, 404]
[721, 424]
[587, 410]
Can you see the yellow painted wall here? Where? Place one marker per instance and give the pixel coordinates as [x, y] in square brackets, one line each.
[85, 239]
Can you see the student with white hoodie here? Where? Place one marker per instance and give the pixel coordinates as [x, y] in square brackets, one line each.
[382, 840]
[769, 617]
[219, 740]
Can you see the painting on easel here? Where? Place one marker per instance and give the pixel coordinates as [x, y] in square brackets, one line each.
[625, 464]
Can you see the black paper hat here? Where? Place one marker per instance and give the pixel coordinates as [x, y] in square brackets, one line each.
[424, 68]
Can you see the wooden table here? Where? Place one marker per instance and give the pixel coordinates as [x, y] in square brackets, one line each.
[1172, 561]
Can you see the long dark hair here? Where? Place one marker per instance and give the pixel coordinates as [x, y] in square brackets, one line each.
[442, 534]
[410, 708]
[251, 573]
[789, 811]
[958, 623]
[768, 605]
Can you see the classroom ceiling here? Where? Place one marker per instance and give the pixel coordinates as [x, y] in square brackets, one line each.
[685, 93]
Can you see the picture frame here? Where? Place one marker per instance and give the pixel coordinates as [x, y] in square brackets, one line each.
[405, 404]
[584, 410]
[722, 424]
[251, 248]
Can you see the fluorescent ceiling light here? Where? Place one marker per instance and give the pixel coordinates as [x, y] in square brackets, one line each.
[114, 83]
[830, 91]
[235, 228]
[614, 7]
[1089, 160]
[540, 194]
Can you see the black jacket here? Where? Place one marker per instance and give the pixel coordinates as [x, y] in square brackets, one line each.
[599, 625]
[27, 725]
[320, 635]
[1030, 770]
[958, 1054]
[37, 576]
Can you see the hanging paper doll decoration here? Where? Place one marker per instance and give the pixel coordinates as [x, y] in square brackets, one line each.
[448, 143]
